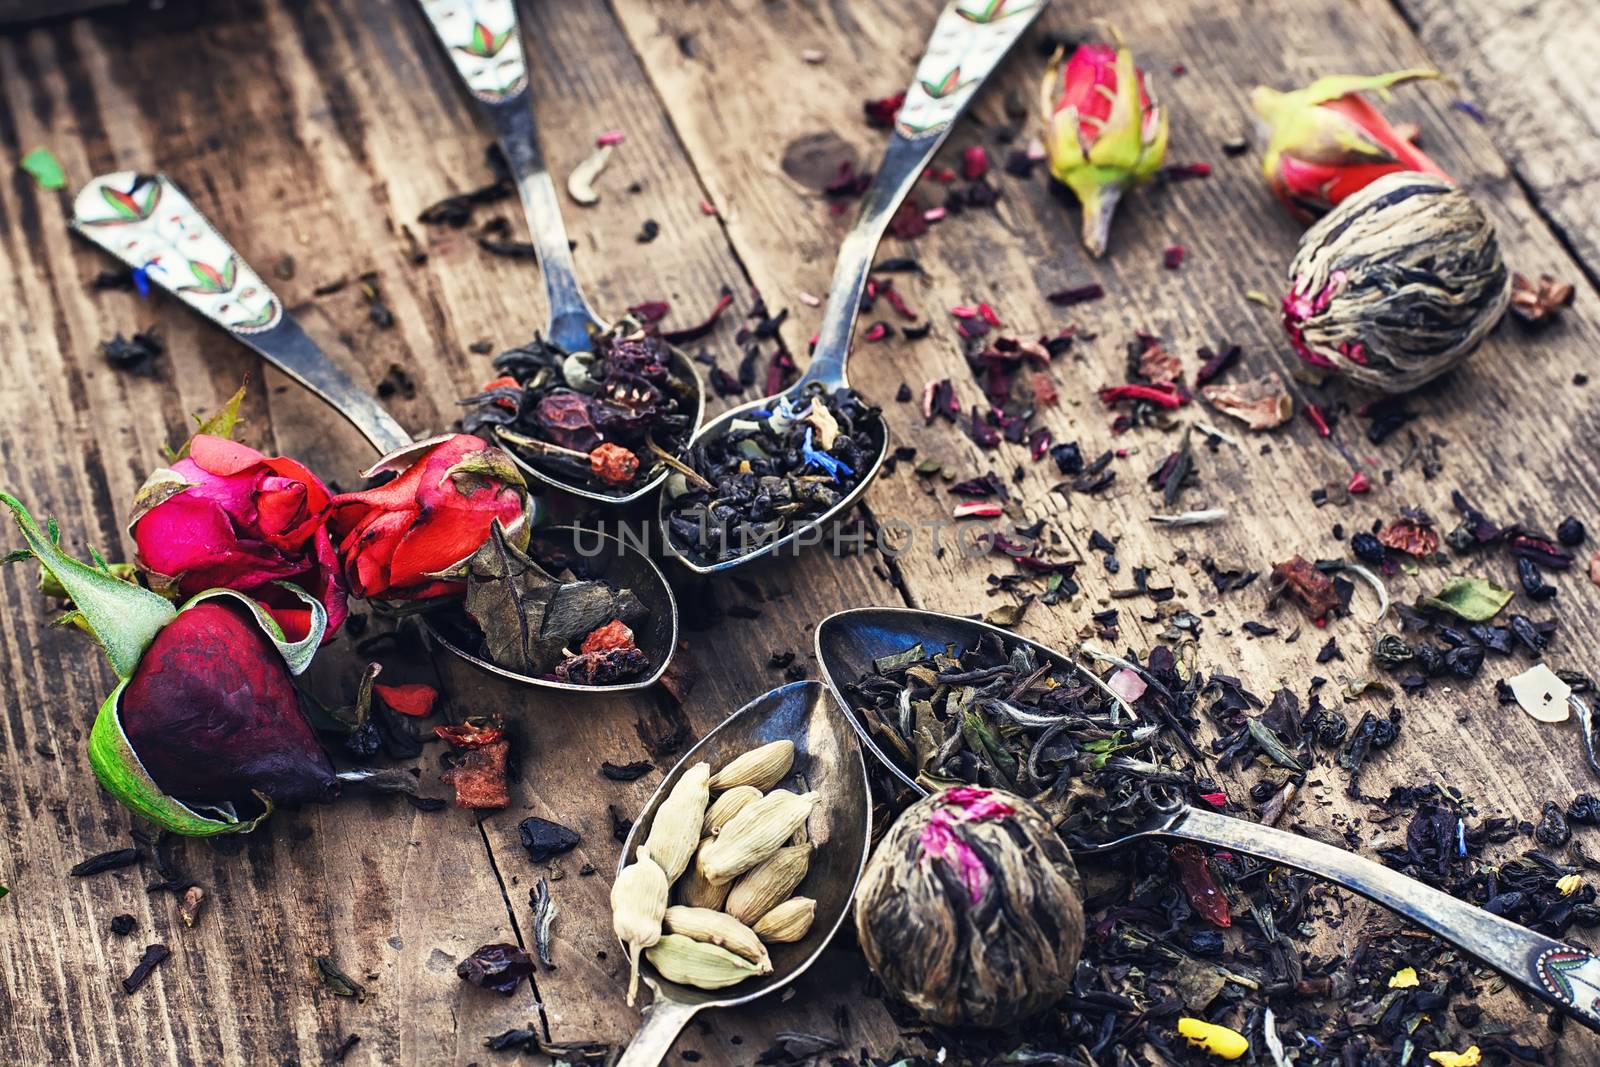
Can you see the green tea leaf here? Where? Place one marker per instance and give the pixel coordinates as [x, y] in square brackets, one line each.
[45, 168]
[338, 983]
[1473, 599]
[221, 424]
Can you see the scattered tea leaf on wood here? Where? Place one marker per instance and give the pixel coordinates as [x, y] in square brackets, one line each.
[498, 967]
[1473, 599]
[546, 840]
[336, 981]
[153, 955]
[106, 861]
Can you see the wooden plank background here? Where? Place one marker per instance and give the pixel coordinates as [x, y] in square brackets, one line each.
[318, 130]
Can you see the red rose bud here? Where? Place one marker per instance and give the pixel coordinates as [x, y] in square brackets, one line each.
[409, 538]
[1328, 142]
[227, 517]
[205, 716]
[1104, 133]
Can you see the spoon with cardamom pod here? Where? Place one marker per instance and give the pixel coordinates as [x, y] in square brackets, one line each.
[784, 760]
[743, 495]
[863, 649]
[146, 222]
[593, 409]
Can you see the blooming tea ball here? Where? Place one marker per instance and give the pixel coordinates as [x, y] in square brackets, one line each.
[1397, 284]
[970, 910]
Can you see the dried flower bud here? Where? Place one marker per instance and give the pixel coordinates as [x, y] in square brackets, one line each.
[970, 910]
[1397, 284]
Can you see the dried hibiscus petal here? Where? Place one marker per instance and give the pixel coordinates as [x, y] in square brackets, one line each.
[614, 634]
[1194, 875]
[1308, 587]
[500, 968]
[613, 464]
[1260, 404]
[415, 699]
[1409, 536]
[479, 778]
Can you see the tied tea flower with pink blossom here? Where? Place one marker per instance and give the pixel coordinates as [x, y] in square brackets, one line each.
[225, 516]
[410, 538]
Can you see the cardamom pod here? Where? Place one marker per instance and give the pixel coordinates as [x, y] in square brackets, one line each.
[762, 767]
[675, 830]
[719, 928]
[638, 904]
[768, 884]
[752, 836]
[789, 921]
[727, 806]
[693, 889]
[698, 963]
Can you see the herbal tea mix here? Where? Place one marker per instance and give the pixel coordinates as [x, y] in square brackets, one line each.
[1214, 481]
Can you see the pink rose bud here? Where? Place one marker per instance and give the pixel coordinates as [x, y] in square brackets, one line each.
[227, 517]
[1328, 142]
[1104, 133]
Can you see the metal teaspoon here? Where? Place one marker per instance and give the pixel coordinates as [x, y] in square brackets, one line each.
[1568, 978]
[146, 222]
[969, 40]
[484, 41]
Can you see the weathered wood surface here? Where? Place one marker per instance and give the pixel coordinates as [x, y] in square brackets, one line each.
[318, 129]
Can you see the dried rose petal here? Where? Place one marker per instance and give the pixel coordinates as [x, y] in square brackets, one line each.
[1359, 483]
[1260, 404]
[881, 113]
[979, 511]
[1538, 302]
[1172, 258]
[650, 311]
[974, 163]
[414, 699]
[1409, 536]
[1308, 587]
[1158, 365]
[1194, 875]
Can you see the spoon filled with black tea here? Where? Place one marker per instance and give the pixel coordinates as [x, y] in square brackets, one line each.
[942, 700]
[527, 612]
[770, 476]
[591, 408]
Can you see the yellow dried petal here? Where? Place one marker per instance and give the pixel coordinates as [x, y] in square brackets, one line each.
[1470, 1058]
[1570, 884]
[1220, 1041]
[1404, 978]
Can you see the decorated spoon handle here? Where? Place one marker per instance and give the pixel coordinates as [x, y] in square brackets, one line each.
[1566, 977]
[969, 40]
[483, 40]
[145, 221]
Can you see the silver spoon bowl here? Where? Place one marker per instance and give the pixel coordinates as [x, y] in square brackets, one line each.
[146, 222]
[484, 42]
[1568, 978]
[600, 556]
[964, 50]
[827, 760]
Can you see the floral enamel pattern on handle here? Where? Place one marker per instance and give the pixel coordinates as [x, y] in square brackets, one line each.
[145, 221]
[970, 38]
[482, 39]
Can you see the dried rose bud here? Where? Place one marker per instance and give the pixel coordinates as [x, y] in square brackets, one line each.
[970, 910]
[1104, 132]
[206, 717]
[1328, 143]
[410, 538]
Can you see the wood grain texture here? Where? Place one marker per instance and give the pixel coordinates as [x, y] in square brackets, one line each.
[319, 129]
[1531, 70]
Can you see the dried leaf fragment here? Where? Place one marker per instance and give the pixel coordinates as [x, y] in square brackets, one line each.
[1261, 403]
[580, 183]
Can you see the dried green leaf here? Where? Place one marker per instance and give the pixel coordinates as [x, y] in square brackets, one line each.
[221, 424]
[1271, 744]
[886, 664]
[338, 983]
[1473, 599]
[45, 169]
[1007, 615]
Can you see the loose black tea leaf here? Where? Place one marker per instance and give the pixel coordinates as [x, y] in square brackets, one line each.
[337, 982]
[106, 861]
[153, 955]
[544, 839]
[626, 772]
[123, 925]
[535, 623]
[770, 473]
[498, 967]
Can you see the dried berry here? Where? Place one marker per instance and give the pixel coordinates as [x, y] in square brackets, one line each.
[498, 967]
[1570, 532]
[1368, 548]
